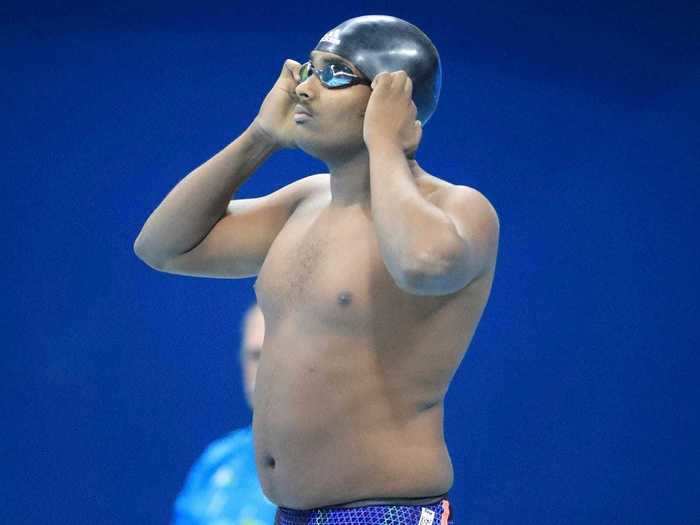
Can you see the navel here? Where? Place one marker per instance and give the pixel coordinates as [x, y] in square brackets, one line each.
[344, 298]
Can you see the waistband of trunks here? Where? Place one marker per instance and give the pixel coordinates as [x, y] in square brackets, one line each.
[437, 513]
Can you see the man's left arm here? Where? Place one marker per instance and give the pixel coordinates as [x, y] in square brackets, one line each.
[429, 250]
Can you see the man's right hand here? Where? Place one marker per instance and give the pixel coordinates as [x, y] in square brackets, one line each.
[274, 119]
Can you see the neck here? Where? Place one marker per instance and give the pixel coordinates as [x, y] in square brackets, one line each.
[350, 180]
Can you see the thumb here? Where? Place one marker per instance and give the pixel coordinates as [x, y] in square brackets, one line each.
[291, 69]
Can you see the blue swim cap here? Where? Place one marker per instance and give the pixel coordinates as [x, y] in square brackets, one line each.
[378, 44]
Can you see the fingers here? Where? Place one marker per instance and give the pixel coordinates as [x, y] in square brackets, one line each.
[396, 86]
[291, 68]
[408, 86]
[398, 80]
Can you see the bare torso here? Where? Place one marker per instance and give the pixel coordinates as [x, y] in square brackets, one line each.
[349, 395]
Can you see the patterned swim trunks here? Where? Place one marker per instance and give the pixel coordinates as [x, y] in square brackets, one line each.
[438, 513]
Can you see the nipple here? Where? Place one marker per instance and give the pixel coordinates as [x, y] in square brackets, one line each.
[344, 298]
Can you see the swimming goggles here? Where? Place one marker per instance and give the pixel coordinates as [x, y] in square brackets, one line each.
[332, 75]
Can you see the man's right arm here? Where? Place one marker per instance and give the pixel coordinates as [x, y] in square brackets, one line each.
[198, 230]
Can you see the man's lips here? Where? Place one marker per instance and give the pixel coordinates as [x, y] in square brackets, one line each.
[301, 110]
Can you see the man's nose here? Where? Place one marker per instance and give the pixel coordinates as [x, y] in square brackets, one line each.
[304, 89]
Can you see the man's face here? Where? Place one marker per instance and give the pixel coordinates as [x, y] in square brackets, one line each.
[334, 129]
[253, 335]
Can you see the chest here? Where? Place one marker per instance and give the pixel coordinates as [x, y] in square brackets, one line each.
[325, 265]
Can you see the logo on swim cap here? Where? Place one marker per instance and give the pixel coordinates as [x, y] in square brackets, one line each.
[332, 37]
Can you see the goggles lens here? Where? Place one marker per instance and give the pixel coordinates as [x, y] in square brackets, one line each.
[331, 75]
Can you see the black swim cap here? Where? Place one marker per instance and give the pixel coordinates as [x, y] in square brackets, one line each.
[377, 44]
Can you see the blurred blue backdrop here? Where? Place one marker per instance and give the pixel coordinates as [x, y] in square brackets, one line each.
[577, 402]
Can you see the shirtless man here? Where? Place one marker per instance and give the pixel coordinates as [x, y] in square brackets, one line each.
[372, 278]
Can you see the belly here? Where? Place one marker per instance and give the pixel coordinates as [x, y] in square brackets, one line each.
[330, 426]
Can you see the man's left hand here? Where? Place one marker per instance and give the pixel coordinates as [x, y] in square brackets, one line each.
[390, 117]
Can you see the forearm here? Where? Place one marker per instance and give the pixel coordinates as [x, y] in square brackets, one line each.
[414, 235]
[198, 201]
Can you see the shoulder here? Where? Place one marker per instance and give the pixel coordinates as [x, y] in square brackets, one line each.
[463, 199]
[235, 448]
[473, 215]
[455, 197]
[238, 440]
[317, 185]
[310, 191]
[301, 188]
[299, 191]
[466, 204]
[311, 185]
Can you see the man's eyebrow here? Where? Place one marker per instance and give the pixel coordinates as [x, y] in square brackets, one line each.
[329, 59]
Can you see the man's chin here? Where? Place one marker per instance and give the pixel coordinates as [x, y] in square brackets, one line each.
[310, 147]
[324, 151]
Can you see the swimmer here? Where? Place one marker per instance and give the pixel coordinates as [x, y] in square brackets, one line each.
[372, 278]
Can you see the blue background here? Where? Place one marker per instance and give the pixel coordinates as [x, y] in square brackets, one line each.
[577, 402]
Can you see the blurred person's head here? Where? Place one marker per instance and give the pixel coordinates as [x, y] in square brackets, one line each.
[253, 333]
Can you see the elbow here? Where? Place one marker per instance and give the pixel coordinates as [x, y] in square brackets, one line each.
[147, 254]
[430, 272]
